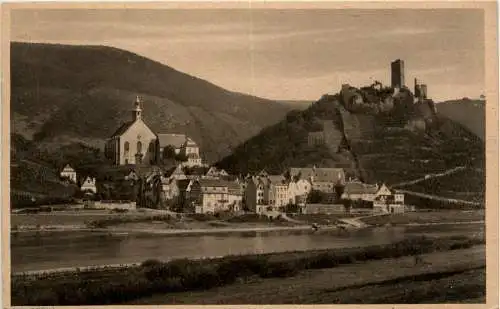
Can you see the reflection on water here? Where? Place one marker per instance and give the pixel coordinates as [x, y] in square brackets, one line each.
[55, 249]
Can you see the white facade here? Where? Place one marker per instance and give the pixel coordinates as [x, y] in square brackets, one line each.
[281, 197]
[297, 189]
[89, 185]
[134, 142]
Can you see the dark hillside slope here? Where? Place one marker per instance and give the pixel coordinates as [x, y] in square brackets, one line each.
[63, 93]
[469, 113]
[33, 180]
[403, 142]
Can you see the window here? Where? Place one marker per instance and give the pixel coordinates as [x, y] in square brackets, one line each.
[127, 146]
[139, 147]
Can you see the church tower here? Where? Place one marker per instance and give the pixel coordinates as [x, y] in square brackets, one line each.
[137, 111]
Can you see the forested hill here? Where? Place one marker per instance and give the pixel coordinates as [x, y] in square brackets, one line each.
[64, 94]
[373, 133]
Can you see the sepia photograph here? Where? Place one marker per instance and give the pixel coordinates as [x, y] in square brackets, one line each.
[250, 154]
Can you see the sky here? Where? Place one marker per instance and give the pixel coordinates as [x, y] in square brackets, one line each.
[284, 54]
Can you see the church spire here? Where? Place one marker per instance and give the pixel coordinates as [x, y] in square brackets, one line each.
[137, 111]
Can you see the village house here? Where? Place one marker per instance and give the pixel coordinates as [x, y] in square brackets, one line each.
[185, 201]
[68, 173]
[215, 173]
[213, 195]
[135, 143]
[169, 190]
[182, 144]
[266, 192]
[88, 185]
[357, 190]
[321, 179]
[388, 201]
[298, 190]
[278, 191]
[381, 197]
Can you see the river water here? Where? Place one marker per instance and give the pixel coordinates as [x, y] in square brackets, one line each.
[49, 250]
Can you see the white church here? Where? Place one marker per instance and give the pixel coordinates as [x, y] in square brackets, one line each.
[135, 143]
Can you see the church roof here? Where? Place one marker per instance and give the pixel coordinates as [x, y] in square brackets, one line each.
[176, 140]
[320, 174]
[122, 129]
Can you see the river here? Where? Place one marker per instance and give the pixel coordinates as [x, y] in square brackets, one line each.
[49, 250]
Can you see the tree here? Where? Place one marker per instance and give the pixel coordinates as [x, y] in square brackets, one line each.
[181, 157]
[347, 205]
[169, 152]
[290, 207]
[314, 197]
[339, 190]
[287, 175]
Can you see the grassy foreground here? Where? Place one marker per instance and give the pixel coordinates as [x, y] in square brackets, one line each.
[154, 277]
[456, 276]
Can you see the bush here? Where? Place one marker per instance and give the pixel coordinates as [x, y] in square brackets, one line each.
[151, 263]
[280, 269]
[322, 260]
[236, 267]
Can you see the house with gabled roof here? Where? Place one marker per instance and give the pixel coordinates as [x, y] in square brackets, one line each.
[216, 195]
[69, 173]
[321, 179]
[88, 185]
[266, 192]
[214, 172]
[357, 190]
[387, 200]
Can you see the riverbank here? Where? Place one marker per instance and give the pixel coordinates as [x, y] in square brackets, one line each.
[152, 278]
[138, 223]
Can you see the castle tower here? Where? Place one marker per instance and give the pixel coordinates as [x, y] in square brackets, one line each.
[417, 89]
[420, 90]
[137, 111]
[398, 73]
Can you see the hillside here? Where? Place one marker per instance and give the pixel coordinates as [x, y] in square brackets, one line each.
[376, 135]
[297, 104]
[63, 93]
[469, 113]
[33, 180]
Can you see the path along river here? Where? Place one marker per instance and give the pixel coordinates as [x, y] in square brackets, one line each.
[50, 250]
